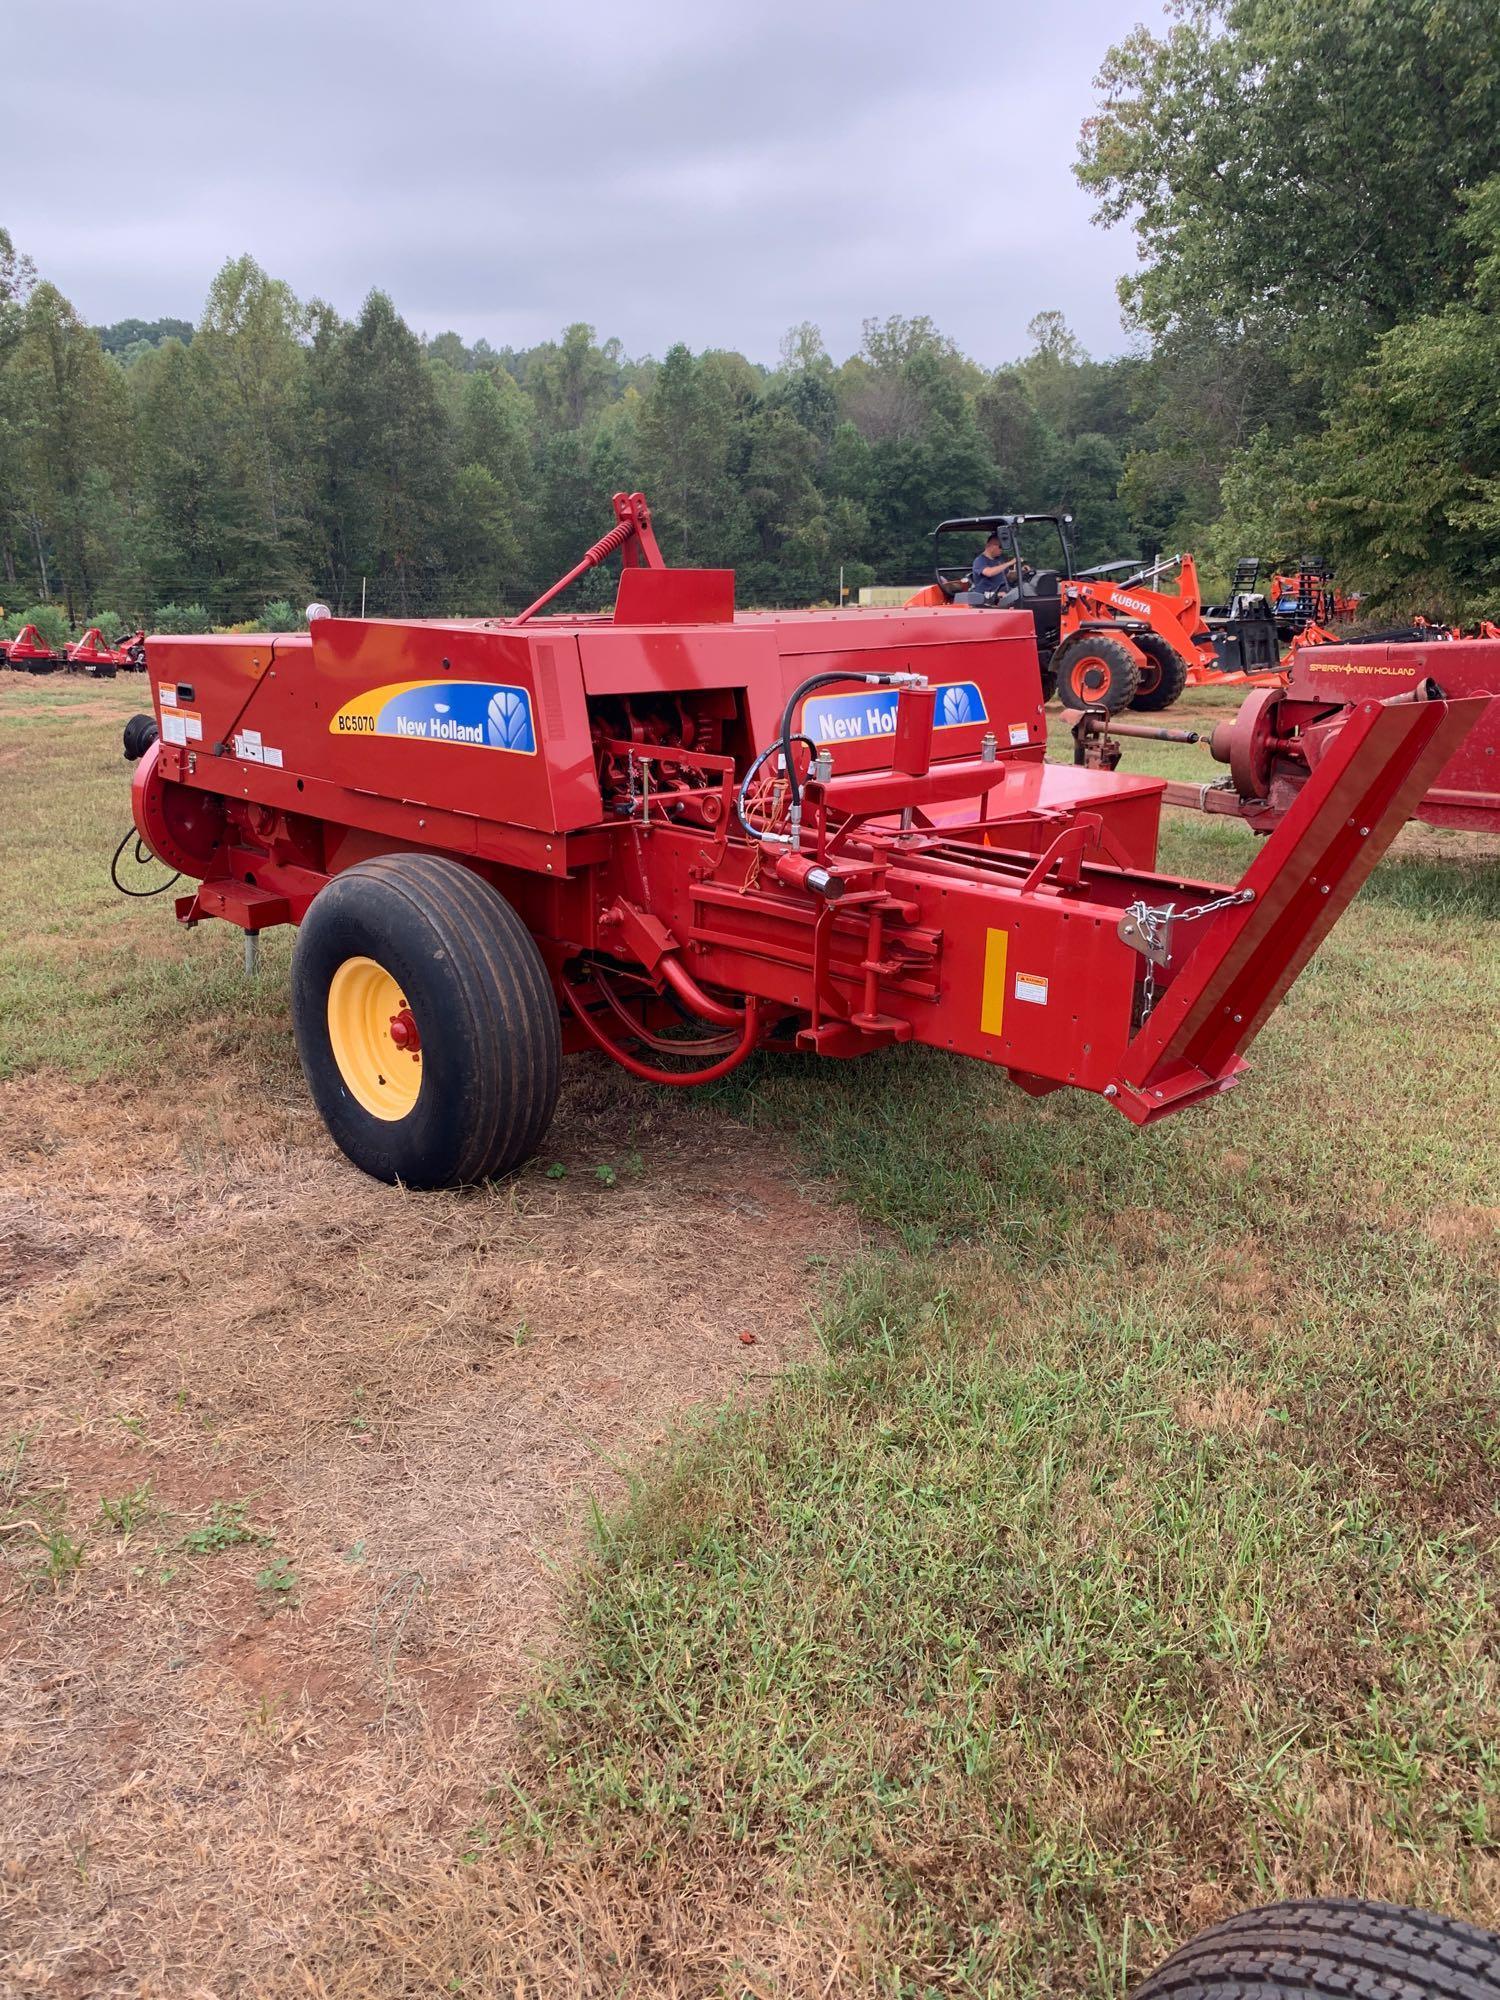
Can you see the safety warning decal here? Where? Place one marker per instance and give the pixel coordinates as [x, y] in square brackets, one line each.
[181, 726]
[483, 714]
[848, 718]
[1031, 986]
[251, 750]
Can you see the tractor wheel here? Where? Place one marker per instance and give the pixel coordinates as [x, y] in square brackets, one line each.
[1093, 668]
[426, 1022]
[1338, 1946]
[1163, 677]
[1049, 678]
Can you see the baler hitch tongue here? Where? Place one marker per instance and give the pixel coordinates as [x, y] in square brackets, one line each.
[1191, 1042]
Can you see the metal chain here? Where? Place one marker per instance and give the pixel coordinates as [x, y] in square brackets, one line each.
[1155, 921]
[1197, 910]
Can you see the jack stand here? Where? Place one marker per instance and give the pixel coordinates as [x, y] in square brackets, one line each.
[252, 954]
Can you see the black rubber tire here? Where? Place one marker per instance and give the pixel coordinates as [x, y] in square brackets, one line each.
[1120, 672]
[1332, 1949]
[484, 1008]
[1049, 683]
[1164, 676]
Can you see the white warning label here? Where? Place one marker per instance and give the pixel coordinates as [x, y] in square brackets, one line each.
[1031, 986]
[1019, 733]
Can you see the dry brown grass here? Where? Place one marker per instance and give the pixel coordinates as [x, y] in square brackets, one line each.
[413, 1395]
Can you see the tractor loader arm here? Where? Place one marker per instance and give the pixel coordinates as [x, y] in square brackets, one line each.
[1252, 947]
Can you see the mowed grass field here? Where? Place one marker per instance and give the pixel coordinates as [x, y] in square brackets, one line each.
[1099, 1533]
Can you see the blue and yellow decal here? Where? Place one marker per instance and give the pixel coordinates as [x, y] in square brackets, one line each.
[485, 715]
[854, 718]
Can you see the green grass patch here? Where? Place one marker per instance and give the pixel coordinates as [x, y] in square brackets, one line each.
[91, 983]
[1131, 1554]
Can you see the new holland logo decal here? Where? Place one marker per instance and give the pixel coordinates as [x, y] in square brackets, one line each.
[839, 718]
[486, 715]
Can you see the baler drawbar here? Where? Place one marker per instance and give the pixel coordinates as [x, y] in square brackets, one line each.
[679, 835]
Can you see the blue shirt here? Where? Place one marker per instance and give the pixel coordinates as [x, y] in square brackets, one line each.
[979, 581]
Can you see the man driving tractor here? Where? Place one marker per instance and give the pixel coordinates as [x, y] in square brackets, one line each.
[990, 572]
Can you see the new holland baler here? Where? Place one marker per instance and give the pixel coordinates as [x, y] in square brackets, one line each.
[678, 835]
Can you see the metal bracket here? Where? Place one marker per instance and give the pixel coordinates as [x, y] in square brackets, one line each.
[1148, 931]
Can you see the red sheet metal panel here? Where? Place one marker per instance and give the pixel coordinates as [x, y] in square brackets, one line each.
[1466, 792]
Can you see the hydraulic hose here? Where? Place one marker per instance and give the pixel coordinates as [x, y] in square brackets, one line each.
[647, 1072]
[693, 997]
[749, 779]
[800, 694]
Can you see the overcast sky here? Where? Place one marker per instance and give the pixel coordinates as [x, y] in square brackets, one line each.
[665, 170]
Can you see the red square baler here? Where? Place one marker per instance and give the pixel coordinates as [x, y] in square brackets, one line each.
[679, 835]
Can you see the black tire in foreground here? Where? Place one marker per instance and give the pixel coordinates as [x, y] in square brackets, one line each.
[1093, 668]
[1163, 677]
[426, 1022]
[1333, 1949]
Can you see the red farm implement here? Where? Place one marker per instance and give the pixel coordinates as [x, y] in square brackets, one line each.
[678, 835]
[1280, 738]
[30, 653]
[93, 654]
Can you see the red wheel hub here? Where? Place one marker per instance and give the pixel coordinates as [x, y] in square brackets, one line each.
[404, 1032]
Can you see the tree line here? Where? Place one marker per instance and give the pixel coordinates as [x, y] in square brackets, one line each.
[274, 452]
[1315, 366]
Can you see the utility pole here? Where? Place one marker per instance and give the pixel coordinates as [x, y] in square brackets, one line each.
[362, 597]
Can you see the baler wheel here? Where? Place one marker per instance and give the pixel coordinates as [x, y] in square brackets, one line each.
[1331, 1949]
[1094, 669]
[426, 1022]
[1163, 677]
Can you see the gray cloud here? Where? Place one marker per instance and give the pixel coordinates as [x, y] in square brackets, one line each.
[668, 171]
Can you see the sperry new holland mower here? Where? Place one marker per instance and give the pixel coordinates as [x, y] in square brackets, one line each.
[678, 835]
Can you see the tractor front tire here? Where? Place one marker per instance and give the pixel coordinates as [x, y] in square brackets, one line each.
[1094, 669]
[1163, 677]
[1328, 1948]
[426, 1022]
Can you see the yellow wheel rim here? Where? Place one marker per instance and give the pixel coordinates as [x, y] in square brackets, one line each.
[365, 1021]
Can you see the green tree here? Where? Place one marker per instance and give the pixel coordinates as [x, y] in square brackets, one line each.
[685, 427]
[1295, 169]
[20, 531]
[76, 441]
[1020, 442]
[570, 380]
[181, 504]
[387, 448]
[250, 360]
[1402, 490]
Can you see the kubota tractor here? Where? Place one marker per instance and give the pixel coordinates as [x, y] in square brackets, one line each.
[1104, 639]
